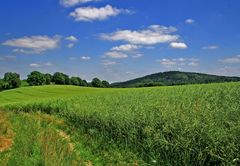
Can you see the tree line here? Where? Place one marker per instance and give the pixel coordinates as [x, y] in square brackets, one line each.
[36, 78]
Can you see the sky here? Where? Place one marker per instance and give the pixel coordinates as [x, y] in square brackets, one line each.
[117, 40]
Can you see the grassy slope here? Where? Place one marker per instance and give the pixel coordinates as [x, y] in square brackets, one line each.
[26, 94]
[162, 126]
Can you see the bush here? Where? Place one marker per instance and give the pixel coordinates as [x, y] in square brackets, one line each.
[12, 80]
[96, 83]
[36, 78]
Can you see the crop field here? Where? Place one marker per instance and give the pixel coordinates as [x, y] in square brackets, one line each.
[67, 125]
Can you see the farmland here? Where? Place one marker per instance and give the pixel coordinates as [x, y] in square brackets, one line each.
[179, 125]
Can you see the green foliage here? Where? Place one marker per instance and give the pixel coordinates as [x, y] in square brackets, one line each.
[105, 84]
[174, 78]
[96, 83]
[75, 81]
[12, 80]
[180, 125]
[36, 78]
[48, 78]
[59, 78]
[2, 84]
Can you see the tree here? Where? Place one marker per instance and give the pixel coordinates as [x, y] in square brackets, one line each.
[36, 78]
[96, 83]
[75, 81]
[58, 78]
[85, 83]
[48, 78]
[2, 85]
[61, 79]
[66, 79]
[12, 80]
[105, 84]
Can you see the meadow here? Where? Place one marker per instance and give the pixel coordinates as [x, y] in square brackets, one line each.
[67, 125]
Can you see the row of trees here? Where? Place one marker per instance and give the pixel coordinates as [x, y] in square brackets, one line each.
[10, 81]
[37, 78]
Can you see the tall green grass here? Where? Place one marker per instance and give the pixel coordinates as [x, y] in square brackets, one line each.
[182, 125]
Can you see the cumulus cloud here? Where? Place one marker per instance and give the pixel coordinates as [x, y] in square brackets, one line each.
[85, 57]
[116, 55]
[70, 3]
[125, 47]
[211, 47]
[189, 21]
[72, 38]
[179, 62]
[231, 60]
[37, 65]
[154, 34]
[93, 13]
[108, 62]
[178, 45]
[33, 44]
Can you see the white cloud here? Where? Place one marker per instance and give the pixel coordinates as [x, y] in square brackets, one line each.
[167, 62]
[228, 70]
[231, 60]
[34, 65]
[71, 38]
[116, 55]
[125, 47]
[92, 13]
[189, 21]
[211, 47]
[177, 45]
[154, 34]
[70, 45]
[85, 57]
[34, 44]
[37, 65]
[24, 51]
[70, 3]
[138, 55]
[179, 62]
[108, 62]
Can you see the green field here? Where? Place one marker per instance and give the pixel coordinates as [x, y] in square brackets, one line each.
[67, 125]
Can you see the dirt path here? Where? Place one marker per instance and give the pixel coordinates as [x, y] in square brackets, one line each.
[6, 133]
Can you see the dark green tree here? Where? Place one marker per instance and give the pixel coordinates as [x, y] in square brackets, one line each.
[75, 81]
[61, 79]
[105, 84]
[48, 78]
[2, 84]
[85, 83]
[36, 78]
[96, 83]
[12, 80]
[58, 78]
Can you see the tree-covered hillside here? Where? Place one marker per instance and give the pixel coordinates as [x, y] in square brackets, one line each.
[174, 78]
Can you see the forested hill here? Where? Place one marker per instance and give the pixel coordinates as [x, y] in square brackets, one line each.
[174, 78]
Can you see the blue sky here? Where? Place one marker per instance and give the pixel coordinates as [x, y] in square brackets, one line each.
[118, 40]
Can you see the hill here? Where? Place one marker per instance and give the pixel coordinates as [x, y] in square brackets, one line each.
[174, 78]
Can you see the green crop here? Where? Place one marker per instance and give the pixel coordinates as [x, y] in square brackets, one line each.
[181, 125]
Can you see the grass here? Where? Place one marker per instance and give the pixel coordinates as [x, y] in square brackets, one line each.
[181, 125]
